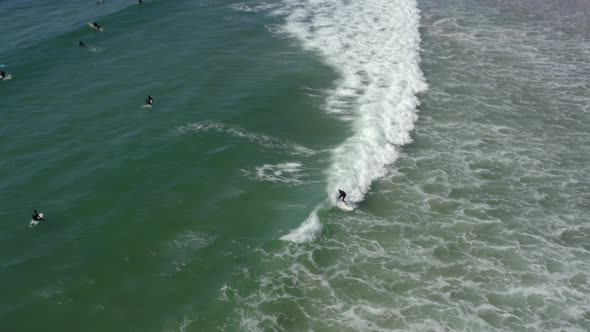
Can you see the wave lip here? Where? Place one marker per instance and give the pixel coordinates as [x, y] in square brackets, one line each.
[307, 231]
[374, 45]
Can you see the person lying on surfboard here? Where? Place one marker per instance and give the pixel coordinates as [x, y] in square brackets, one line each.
[36, 216]
[342, 195]
[96, 26]
[149, 100]
[81, 44]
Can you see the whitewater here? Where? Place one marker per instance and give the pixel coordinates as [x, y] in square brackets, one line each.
[375, 48]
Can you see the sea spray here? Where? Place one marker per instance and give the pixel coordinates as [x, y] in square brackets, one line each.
[374, 45]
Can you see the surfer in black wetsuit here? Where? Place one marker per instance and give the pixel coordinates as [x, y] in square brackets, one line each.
[96, 26]
[81, 44]
[140, 2]
[2, 74]
[149, 100]
[36, 216]
[342, 195]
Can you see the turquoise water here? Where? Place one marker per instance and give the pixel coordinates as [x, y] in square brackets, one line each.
[458, 130]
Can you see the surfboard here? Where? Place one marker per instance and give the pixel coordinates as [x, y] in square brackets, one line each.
[146, 106]
[344, 206]
[93, 27]
[34, 223]
[8, 77]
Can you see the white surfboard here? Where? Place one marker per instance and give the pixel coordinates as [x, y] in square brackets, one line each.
[344, 206]
[146, 106]
[6, 78]
[93, 27]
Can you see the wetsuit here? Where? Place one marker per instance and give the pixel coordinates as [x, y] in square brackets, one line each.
[36, 216]
[342, 195]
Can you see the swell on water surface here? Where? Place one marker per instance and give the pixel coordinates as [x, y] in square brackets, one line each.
[31, 22]
[374, 46]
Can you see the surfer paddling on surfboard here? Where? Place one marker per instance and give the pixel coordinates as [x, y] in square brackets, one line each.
[341, 195]
[95, 26]
[81, 44]
[2, 74]
[149, 101]
[37, 217]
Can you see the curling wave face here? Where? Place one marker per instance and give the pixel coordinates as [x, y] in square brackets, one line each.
[374, 46]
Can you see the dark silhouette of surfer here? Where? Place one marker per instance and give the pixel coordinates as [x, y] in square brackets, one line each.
[37, 216]
[342, 195]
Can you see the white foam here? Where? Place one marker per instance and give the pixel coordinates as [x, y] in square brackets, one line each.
[183, 324]
[261, 139]
[252, 8]
[307, 231]
[374, 45]
[181, 250]
[289, 173]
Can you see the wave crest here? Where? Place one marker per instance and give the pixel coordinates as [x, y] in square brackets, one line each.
[374, 45]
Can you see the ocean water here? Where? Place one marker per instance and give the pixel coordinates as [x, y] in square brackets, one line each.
[459, 129]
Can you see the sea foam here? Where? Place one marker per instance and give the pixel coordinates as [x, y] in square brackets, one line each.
[374, 46]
